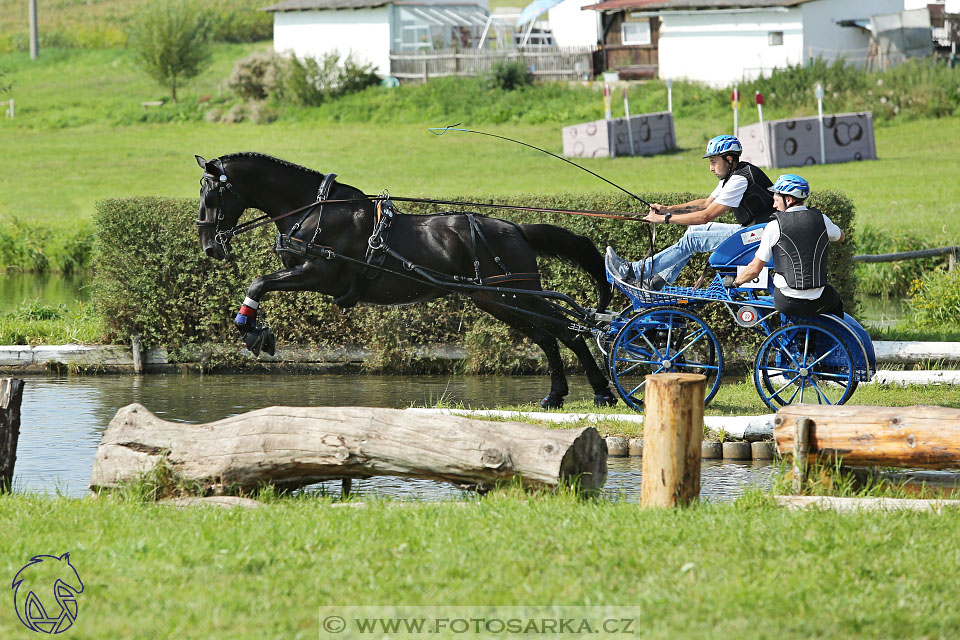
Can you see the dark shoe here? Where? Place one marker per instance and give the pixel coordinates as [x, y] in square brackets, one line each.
[605, 399]
[552, 402]
[622, 269]
[654, 283]
[261, 338]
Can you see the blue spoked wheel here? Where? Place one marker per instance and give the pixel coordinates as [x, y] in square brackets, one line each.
[663, 340]
[804, 363]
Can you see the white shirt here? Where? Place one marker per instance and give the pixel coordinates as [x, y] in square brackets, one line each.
[730, 194]
[770, 237]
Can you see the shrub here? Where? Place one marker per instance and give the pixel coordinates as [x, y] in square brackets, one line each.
[310, 81]
[935, 300]
[508, 75]
[170, 43]
[152, 278]
[258, 75]
[892, 278]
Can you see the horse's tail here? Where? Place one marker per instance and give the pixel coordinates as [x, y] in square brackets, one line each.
[557, 242]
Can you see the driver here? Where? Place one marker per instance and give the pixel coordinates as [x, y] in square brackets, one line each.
[743, 188]
[798, 239]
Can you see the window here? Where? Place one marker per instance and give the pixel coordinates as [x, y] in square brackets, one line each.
[775, 38]
[635, 32]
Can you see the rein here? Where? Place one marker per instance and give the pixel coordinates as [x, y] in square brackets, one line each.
[267, 219]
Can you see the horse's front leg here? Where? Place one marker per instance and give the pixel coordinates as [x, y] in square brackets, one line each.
[302, 277]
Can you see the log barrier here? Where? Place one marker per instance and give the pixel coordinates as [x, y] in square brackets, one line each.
[11, 395]
[917, 436]
[296, 446]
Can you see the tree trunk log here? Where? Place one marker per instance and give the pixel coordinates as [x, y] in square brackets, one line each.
[297, 446]
[11, 394]
[920, 436]
[672, 436]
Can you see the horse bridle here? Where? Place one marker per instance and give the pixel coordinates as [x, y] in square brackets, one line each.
[221, 183]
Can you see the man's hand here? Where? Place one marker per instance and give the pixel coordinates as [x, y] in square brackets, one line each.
[729, 282]
[656, 207]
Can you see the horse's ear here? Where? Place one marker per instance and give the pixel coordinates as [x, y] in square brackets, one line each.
[201, 162]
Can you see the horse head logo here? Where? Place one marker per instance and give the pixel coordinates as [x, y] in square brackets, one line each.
[43, 585]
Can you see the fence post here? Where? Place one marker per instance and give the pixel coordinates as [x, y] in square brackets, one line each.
[11, 393]
[672, 438]
[137, 353]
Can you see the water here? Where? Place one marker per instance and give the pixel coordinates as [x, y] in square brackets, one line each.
[881, 312]
[63, 418]
[51, 288]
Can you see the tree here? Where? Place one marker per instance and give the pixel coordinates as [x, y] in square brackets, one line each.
[170, 43]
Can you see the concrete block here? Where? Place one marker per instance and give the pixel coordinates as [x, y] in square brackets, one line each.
[795, 142]
[616, 447]
[711, 450]
[737, 451]
[652, 133]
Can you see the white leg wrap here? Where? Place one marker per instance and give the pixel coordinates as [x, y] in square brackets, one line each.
[250, 302]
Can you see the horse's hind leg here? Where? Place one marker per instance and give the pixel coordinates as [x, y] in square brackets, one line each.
[602, 395]
[544, 340]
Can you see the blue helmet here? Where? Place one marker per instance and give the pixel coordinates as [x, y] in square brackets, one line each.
[723, 145]
[790, 184]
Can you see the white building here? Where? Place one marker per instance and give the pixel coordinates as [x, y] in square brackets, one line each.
[573, 27]
[371, 29]
[720, 43]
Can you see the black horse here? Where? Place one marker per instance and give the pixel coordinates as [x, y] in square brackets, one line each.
[329, 248]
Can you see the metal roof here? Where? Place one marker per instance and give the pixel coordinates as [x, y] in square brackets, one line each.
[313, 5]
[691, 5]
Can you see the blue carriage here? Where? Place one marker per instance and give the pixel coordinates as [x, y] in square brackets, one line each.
[813, 359]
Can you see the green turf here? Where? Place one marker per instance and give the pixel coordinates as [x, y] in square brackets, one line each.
[746, 570]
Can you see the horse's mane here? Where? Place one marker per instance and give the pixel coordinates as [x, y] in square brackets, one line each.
[263, 156]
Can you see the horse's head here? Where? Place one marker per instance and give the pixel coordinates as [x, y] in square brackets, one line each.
[220, 209]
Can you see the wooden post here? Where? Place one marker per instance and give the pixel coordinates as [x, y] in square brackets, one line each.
[137, 353]
[11, 393]
[672, 438]
[34, 37]
[801, 449]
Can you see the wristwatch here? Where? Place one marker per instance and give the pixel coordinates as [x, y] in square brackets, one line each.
[667, 216]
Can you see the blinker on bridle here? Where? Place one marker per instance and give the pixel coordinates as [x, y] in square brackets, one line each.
[221, 237]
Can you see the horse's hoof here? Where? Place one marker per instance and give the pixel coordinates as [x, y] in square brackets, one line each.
[260, 338]
[551, 402]
[269, 341]
[605, 399]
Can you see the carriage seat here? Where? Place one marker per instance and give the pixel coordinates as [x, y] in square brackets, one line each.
[738, 250]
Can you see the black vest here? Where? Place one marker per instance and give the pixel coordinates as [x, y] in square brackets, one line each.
[800, 256]
[756, 206]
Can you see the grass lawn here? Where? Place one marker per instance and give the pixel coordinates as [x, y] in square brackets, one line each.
[715, 570]
[81, 135]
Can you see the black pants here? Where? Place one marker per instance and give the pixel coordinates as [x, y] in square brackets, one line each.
[828, 302]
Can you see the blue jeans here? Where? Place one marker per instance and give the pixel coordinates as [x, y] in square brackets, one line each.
[699, 238]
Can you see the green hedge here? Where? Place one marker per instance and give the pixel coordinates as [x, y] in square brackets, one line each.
[151, 278]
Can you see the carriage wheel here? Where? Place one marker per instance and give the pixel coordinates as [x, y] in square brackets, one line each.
[804, 363]
[663, 340]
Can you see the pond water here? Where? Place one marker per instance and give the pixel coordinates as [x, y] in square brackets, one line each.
[62, 419]
[52, 288]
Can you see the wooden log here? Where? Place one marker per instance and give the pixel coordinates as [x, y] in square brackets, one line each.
[11, 394]
[864, 504]
[919, 436]
[672, 437]
[296, 446]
